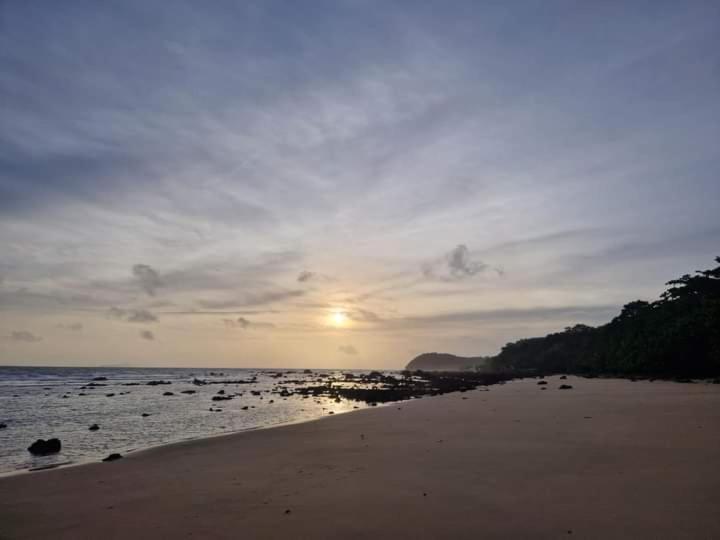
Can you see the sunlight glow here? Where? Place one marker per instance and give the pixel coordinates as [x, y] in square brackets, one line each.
[338, 319]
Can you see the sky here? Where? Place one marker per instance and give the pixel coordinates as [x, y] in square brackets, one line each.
[345, 183]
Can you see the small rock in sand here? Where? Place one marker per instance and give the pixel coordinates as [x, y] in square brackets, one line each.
[113, 457]
[94, 427]
[564, 387]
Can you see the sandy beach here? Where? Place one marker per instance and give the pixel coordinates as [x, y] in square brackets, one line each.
[607, 459]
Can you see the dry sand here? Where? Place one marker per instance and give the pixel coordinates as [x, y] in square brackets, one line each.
[607, 459]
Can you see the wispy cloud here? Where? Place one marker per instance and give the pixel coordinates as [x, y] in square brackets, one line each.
[23, 336]
[147, 277]
[132, 315]
[243, 323]
[456, 265]
[348, 349]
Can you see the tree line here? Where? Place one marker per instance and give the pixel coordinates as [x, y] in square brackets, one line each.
[677, 335]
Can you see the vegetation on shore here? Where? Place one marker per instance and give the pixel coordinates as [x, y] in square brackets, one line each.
[677, 335]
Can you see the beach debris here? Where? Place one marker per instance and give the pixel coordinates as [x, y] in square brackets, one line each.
[94, 427]
[113, 457]
[41, 447]
[564, 387]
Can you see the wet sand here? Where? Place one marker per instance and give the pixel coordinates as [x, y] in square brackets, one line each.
[607, 459]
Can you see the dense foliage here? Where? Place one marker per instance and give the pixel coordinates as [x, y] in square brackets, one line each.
[677, 335]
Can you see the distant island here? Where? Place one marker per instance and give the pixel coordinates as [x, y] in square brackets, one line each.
[447, 362]
[676, 336]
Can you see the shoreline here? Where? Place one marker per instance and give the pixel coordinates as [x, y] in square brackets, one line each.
[136, 451]
[608, 458]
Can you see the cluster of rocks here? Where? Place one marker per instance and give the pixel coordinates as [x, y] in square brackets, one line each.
[376, 387]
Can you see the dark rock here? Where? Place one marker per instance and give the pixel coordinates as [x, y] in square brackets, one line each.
[99, 378]
[168, 394]
[109, 395]
[156, 383]
[564, 387]
[145, 415]
[3, 425]
[221, 392]
[542, 382]
[221, 398]
[41, 447]
[113, 457]
[94, 427]
[188, 392]
[563, 377]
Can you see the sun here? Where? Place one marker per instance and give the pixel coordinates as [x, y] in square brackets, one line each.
[338, 319]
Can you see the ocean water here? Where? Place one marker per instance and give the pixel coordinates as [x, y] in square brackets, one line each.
[41, 403]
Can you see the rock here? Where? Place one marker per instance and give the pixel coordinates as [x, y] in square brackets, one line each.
[542, 382]
[99, 378]
[221, 398]
[221, 392]
[563, 377]
[3, 425]
[94, 427]
[113, 457]
[145, 415]
[109, 395]
[564, 387]
[41, 447]
[188, 392]
[156, 383]
[168, 394]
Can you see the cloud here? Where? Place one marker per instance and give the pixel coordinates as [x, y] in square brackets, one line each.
[363, 315]
[242, 322]
[591, 314]
[348, 349]
[305, 275]
[131, 315]
[456, 265]
[148, 278]
[75, 327]
[141, 316]
[250, 299]
[147, 334]
[24, 336]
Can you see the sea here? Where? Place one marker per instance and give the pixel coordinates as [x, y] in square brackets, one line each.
[133, 412]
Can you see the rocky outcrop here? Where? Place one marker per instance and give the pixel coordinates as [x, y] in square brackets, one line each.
[447, 362]
[41, 447]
